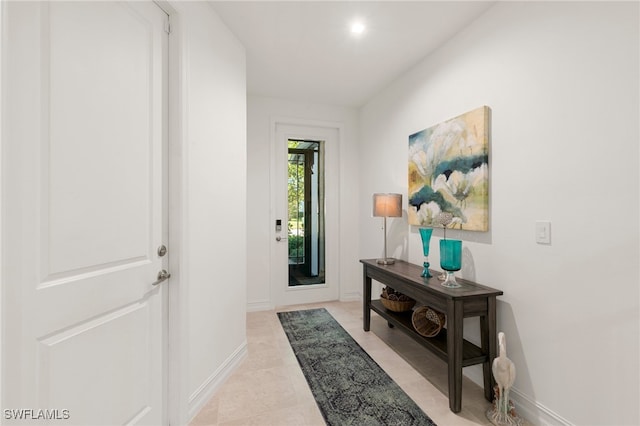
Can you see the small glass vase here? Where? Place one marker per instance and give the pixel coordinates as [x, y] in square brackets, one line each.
[425, 234]
[450, 261]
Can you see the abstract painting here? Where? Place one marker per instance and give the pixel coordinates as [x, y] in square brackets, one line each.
[449, 172]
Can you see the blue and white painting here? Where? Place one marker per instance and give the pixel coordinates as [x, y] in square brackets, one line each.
[449, 172]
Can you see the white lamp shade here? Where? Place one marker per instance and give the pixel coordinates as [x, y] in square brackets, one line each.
[387, 205]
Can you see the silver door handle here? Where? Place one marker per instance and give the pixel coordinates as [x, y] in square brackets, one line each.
[162, 276]
[280, 239]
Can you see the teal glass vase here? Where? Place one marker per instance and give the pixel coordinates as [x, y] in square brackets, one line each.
[425, 234]
[450, 261]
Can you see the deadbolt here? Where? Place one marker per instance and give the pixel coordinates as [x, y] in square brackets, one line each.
[162, 250]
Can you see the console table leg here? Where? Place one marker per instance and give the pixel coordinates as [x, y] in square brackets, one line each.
[454, 345]
[488, 334]
[366, 305]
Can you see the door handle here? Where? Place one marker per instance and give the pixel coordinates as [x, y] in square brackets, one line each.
[163, 275]
[280, 238]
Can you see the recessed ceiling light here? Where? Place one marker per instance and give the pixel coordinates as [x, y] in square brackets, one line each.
[357, 27]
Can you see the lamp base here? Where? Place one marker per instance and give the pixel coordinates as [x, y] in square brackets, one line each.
[386, 261]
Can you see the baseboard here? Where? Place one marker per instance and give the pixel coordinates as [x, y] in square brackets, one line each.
[527, 408]
[262, 305]
[203, 394]
[534, 412]
[351, 297]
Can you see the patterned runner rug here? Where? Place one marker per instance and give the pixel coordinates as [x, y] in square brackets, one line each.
[349, 387]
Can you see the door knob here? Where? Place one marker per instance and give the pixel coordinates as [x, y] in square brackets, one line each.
[163, 275]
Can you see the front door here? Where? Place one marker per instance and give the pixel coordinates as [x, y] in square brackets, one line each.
[84, 212]
[305, 255]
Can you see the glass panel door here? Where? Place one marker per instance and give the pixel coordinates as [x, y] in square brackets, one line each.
[306, 222]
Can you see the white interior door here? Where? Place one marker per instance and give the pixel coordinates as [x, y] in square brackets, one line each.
[283, 293]
[85, 201]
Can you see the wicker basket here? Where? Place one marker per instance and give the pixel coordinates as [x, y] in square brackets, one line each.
[396, 305]
[427, 321]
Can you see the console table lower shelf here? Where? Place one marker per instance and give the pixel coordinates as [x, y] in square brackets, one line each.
[471, 354]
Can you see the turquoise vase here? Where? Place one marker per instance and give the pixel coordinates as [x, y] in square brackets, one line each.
[450, 260]
[425, 233]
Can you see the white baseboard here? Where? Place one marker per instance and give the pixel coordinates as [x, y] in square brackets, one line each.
[208, 388]
[351, 297]
[534, 412]
[526, 407]
[262, 305]
[266, 305]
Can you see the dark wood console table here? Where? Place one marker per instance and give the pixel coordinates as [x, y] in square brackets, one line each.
[470, 300]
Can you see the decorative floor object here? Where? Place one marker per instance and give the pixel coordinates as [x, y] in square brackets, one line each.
[350, 388]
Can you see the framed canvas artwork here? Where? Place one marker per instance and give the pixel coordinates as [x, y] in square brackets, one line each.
[449, 172]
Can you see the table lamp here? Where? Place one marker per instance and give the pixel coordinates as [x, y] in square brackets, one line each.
[387, 205]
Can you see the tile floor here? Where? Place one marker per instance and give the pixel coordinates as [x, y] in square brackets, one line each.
[269, 389]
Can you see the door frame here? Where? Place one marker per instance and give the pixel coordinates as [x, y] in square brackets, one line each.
[175, 403]
[332, 250]
[3, 40]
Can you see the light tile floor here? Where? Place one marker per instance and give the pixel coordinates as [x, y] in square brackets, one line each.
[269, 389]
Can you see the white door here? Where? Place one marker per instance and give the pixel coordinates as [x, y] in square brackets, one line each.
[84, 207]
[283, 293]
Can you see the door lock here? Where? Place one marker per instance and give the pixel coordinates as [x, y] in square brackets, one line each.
[162, 250]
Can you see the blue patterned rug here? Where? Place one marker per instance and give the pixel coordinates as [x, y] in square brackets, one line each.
[349, 387]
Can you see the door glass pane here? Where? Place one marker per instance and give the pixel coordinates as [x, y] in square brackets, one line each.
[306, 212]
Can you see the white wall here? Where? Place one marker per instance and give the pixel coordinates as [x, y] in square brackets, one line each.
[562, 83]
[260, 111]
[214, 180]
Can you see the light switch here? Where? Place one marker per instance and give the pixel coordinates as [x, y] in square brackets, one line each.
[543, 232]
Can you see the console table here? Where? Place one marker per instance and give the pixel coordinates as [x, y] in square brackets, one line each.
[470, 300]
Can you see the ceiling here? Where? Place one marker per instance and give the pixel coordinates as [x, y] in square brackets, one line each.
[304, 50]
